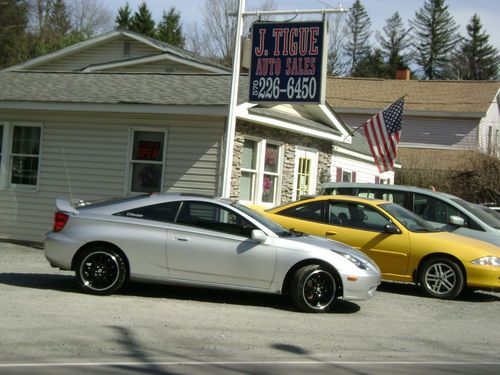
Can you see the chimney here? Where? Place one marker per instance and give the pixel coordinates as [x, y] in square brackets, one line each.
[403, 74]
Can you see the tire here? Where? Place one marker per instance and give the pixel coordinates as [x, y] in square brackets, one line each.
[313, 289]
[441, 278]
[101, 270]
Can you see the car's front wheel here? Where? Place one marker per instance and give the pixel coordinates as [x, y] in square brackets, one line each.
[441, 278]
[313, 289]
[101, 270]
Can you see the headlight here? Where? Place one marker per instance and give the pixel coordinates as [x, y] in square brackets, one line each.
[487, 261]
[357, 262]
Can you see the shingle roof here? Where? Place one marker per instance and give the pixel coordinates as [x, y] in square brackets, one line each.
[427, 96]
[112, 88]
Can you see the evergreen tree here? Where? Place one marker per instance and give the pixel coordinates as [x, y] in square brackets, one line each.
[435, 33]
[372, 65]
[142, 21]
[13, 23]
[481, 60]
[169, 29]
[124, 17]
[358, 33]
[394, 43]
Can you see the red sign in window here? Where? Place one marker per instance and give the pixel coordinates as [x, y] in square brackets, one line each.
[148, 151]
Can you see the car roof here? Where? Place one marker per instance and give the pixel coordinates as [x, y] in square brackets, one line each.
[351, 198]
[121, 204]
[369, 185]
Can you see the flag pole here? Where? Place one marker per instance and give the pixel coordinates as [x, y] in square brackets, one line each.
[360, 126]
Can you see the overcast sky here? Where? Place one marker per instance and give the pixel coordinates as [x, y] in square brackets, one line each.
[378, 10]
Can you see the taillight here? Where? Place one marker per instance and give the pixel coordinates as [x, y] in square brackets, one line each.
[60, 220]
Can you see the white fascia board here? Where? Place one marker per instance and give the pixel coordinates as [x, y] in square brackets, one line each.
[336, 123]
[370, 112]
[209, 110]
[242, 114]
[431, 146]
[64, 52]
[150, 59]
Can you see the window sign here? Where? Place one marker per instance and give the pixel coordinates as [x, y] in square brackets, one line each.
[147, 161]
[287, 62]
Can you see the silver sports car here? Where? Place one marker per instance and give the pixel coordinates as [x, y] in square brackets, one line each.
[194, 240]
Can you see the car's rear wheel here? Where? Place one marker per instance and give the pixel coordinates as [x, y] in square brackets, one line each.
[441, 278]
[313, 289]
[101, 270]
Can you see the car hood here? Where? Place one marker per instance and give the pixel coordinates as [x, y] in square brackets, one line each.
[445, 241]
[328, 244]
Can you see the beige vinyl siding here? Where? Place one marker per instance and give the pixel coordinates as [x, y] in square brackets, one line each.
[107, 52]
[156, 67]
[86, 157]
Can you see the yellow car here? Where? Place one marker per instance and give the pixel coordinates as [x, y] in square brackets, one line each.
[404, 246]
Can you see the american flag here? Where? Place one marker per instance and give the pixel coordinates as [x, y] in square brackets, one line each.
[382, 132]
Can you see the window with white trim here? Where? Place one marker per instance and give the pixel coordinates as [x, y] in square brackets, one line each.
[20, 147]
[260, 172]
[147, 161]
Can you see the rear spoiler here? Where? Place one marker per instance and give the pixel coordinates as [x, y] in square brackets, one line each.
[64, 206]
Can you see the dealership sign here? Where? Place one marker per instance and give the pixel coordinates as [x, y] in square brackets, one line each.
[288, 62]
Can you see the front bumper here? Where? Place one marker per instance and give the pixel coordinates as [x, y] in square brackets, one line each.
[483, 277]
[359, 288]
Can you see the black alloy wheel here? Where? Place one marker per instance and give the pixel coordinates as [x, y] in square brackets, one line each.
[101, 271]
[313, 289]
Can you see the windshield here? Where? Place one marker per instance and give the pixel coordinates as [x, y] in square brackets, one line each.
[268, 223]
[479, 212]
[411, 221]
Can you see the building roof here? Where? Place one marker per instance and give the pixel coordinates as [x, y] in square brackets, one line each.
[371, 95]
[119, 88]
[162, 47]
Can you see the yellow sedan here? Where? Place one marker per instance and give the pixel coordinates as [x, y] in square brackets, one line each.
[404, 246]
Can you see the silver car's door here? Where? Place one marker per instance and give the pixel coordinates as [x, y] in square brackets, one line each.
[211, 244]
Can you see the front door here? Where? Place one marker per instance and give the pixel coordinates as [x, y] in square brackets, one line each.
[306, 165]
[211, 244]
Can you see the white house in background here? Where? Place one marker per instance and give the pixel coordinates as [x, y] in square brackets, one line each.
[123, 114]
[443, 121]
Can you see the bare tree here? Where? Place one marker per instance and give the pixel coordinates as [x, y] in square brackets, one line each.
[214, 38]
[90, 17]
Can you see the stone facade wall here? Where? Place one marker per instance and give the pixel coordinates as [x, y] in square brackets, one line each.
[290, 141]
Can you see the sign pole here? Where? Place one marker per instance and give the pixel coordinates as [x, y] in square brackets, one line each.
[233, 102]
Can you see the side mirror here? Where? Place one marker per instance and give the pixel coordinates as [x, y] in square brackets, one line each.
[392, 229]
[259, 236]
[457, 220]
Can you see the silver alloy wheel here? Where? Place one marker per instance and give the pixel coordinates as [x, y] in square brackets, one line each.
[99, 271]
[440, 278]
[319, 289]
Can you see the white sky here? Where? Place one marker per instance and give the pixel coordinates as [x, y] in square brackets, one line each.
[378, 10]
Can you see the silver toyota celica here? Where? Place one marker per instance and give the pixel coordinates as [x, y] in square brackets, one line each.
[213, 242]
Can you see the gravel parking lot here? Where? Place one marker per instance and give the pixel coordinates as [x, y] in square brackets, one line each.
[44, 319]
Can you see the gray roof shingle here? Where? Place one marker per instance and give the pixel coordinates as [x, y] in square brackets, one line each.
[113, 88]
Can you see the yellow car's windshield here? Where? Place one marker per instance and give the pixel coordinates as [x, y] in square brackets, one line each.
[408, 219]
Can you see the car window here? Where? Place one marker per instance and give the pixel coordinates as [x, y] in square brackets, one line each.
[313, 211]
[165, 212]
[356, 215]
[432, 209]
[214, 217]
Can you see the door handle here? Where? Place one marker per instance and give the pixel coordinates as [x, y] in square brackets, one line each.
[331, 233]
[180, 239]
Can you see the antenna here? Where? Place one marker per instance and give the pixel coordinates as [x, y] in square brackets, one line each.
[67, 174]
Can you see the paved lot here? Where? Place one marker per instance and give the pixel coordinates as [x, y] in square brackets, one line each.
[48, 326]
